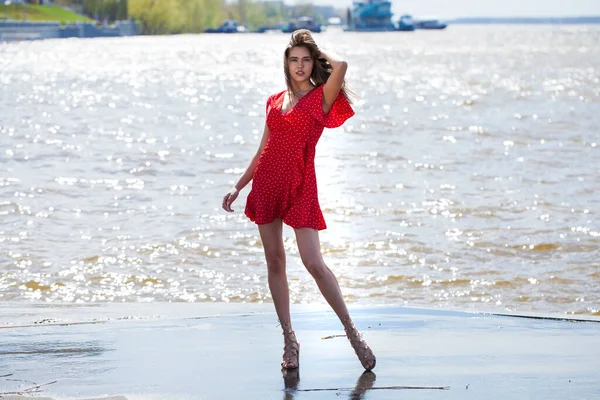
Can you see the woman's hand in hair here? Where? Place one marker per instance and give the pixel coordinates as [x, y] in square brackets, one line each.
[333, 60]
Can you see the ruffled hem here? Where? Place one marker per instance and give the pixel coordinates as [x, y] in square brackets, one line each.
[294, 225]
[313, 220]
[316, 226]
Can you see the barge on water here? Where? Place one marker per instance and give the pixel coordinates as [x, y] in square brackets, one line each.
[375, 16]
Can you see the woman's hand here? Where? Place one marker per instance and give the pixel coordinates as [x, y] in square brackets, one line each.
[229, 198]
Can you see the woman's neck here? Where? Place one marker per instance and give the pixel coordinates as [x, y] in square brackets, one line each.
[302, 90]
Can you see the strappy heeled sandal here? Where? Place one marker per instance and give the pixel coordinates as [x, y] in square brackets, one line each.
[291, 349]
[361, 348]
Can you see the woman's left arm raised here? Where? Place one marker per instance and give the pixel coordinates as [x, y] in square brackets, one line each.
[332, 87]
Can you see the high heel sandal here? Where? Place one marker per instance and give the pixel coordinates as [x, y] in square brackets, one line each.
[291, 348]
[361, 348]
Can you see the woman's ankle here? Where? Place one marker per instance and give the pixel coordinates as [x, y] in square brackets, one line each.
[286, 326]
[347, 322]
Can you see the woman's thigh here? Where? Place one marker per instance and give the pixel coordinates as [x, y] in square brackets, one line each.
[309, 247]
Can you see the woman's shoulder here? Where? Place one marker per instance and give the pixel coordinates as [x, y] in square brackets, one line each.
[276, 96]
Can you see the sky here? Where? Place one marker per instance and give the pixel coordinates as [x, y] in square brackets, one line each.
[483, 8]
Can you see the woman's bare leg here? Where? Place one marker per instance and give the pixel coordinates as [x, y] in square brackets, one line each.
[272, 241]
[309, 247]
[271, 236]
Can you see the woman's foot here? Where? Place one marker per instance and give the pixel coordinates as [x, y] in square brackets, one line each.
[361, 348]
[291, 348]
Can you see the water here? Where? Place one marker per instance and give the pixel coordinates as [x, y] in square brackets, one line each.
[467, 180]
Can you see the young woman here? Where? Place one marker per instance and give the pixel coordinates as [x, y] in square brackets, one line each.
[284, 188]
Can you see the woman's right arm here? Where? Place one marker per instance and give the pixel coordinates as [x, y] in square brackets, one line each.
[334, 83]
[246, 177]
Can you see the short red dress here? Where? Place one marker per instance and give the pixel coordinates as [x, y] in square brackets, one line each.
[284, 184]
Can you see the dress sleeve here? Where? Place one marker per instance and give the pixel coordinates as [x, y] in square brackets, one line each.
[269, 103]
[338, 114]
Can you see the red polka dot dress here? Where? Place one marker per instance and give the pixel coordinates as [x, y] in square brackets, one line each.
[284, 184]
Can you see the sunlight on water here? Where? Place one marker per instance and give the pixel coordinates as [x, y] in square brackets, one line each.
[467, 178]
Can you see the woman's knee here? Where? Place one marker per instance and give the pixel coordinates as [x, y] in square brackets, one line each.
[315, 267]
[275, 262]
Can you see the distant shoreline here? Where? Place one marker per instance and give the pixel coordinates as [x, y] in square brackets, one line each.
[526, 20]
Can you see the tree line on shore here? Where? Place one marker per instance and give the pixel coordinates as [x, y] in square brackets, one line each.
[187, 16]
[194, 16]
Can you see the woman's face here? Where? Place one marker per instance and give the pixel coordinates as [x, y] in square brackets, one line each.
[300, 64]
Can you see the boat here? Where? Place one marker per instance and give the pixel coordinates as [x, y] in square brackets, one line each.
[268, 28]
[228, 26]
[301, 23]
[406, 23]
[430, 24]
[374, 16]
[370, 16]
